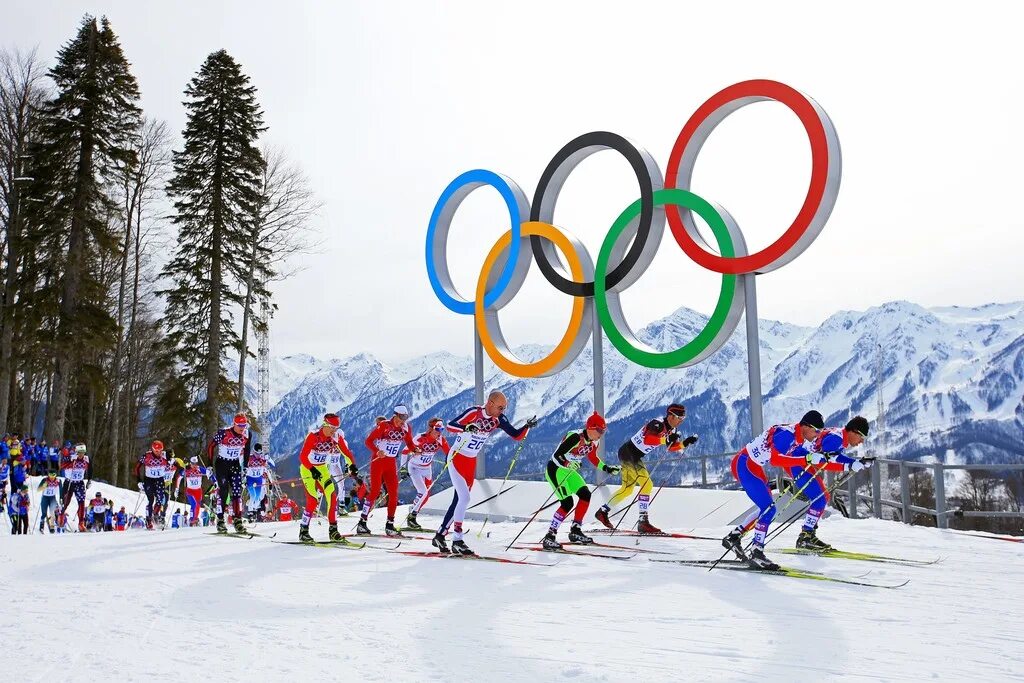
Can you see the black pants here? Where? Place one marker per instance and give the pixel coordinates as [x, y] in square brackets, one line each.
[229, 481]
[154, 489]
[22, 524]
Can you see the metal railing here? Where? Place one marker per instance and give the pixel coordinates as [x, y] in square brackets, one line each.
[941, 512]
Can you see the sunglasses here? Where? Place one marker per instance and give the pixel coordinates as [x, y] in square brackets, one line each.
[438, 428]
[599, 430]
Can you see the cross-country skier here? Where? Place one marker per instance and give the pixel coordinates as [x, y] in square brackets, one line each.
[420, 467]
[832, 442]
[785, 445]
[193, 477]
[320, 445]
[171, 475]
[340, 464]
[50, 487]
[658, 432]
[120, 519]
[22, 505]
[78, 473]
[229, 450]
[255, 470]
[98, 508]
[564, 477]
[474, 427]
[284, 509]
[149, 473]
[386, 442]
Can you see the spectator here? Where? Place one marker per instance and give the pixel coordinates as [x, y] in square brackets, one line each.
[18, 475]
[5, 472]
[108, 518]
[206, 517]
[53, 454]
[12, 510]
[120, 519]
[176, 520]
[62, 521]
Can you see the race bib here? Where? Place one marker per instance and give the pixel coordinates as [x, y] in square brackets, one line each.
[254, 472]
[286, 510]
[75, 475]
[471, 444]
[424, 459]
[155, 472]
[51, 490]
[317, 458]
[193, 482]
[392, 448]
[231, 452]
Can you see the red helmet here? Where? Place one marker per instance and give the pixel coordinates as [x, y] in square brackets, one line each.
[332, 420]
[241, 420]
[596, 422]
[157, 445]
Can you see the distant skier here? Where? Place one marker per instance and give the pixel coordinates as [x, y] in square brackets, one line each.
[564, 477]
[386, 442]
[657, 432]
[120, 519]
[78, 472]
[149, 472]
[474, 427]
[784, 445]
[420, 467]
[284, 509]
[319, 447]
[341, 464]
[193, 477]
[176, 520]
[23, 506]
[98, 509]
[229, 450]
[50, 488]
[255, 471]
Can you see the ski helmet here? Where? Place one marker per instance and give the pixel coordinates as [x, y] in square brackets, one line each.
[240, 420]
[332, 420]
[858, 424]
[80, 448]
[812, 418]
[194, 460]
[596, 422]
[157, 445]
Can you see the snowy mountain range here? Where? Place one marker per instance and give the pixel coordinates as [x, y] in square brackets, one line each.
[952, 383]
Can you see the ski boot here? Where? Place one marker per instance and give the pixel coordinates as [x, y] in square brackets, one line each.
[808, 540]
[222, 528]
[362, 529]
[459, 547]
[333, 535]
[304, 536]
[411, 523]
[550, 542]
[390, 530]
[734, 542]
[576, 535]
[644, 526]
[343, 511]
[757, 560]
[240, 526]
[602, 516]
[438, 542]
[149, 525]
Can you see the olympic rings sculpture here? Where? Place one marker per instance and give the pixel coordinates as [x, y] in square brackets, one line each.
[640, 227]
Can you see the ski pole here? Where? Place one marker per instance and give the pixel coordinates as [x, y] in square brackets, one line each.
[530, 521]
[838, 482]
[637, 496]
[515, 457]
[763, 513]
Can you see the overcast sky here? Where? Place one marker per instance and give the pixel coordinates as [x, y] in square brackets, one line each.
[382, 104]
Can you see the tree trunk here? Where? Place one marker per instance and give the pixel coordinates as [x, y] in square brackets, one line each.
[26, 399]
[57, 409]
[10, 278]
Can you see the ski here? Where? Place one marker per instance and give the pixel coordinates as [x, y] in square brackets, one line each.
[663, 534]
[491, 497]
[634, 549]
[1011, 539]
[235, 534]
[574, 551]
[737, 565]
[416, 537]
[325, 544]
[488, 558]
[866, 557]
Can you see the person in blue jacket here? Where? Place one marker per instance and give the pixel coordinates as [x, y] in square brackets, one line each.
[5, 472]
[18, 475]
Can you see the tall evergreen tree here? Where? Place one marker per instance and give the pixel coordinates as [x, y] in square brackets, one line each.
[216, 189]
[86, 133]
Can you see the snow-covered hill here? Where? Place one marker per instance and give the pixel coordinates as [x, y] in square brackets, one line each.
[265, 611]
[953, 380]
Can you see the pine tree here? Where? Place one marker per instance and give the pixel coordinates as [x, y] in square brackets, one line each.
[216, 187]
[86, 133]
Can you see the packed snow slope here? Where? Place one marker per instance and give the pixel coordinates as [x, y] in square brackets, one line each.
[185, 605]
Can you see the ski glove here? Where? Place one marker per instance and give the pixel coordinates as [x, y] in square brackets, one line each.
[532, 422]
[672, 438]
[858, 465]
[611, 469]
[403, 473]
[315, 473]
[815, 458]
[141, 486]
[472, 428]
[353, 471]
[689, 441]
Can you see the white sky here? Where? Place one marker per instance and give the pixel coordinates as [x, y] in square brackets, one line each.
[383, 104]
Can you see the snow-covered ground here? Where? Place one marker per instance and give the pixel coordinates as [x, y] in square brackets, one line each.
[185, 605]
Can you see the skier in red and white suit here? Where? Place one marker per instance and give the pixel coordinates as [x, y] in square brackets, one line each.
[386, 442]
[474, 427]
[421, 467]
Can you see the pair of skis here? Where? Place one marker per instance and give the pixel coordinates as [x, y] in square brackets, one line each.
[740, 565]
